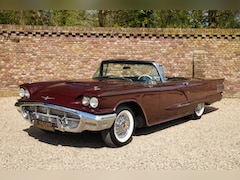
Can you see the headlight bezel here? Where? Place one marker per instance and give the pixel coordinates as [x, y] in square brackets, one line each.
[87, 101]
[94, 102]
[21, 92]
[24, 93]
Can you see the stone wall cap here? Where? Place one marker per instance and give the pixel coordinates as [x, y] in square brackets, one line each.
[112, 31]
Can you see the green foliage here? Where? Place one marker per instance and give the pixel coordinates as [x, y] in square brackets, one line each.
[172, 19]
[131, 18]
[30, 17]
[68, 18]
[10, 17]
[125, 18]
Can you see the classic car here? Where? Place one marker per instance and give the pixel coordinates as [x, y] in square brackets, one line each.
[121, 96]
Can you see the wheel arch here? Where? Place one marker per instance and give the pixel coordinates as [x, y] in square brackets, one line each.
[140, 119]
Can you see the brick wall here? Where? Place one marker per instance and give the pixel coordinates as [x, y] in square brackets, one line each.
[39, 53]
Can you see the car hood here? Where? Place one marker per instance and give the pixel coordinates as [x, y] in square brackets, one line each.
[67, 92]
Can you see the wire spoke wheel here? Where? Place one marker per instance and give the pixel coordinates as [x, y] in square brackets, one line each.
[123, 126]
[122, 130]
[199, 110]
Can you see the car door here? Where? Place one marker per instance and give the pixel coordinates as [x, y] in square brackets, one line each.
[170, 102]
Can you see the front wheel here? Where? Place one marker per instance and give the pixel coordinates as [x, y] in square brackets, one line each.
[199, 110]
[122, 129]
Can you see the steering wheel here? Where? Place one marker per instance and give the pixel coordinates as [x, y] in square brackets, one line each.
[145, 77]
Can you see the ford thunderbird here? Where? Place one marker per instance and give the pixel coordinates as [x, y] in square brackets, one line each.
[121, 96]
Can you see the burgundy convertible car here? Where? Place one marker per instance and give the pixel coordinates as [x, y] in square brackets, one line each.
[121, 96]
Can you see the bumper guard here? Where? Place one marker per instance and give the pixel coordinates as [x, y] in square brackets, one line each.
[64, 119]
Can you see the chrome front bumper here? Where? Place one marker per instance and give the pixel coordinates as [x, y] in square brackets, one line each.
[64, 119]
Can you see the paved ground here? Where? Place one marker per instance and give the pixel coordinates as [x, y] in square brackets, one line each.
[211, 143]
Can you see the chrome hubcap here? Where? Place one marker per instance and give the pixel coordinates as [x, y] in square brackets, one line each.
[123, 126]
[199, 109]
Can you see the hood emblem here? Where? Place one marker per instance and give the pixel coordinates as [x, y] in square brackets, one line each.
[47, 97]
[96, 88]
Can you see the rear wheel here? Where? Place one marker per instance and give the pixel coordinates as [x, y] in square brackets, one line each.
[199, 110]
[122, 129]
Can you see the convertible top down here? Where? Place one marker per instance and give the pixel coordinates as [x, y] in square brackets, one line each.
[121, 96]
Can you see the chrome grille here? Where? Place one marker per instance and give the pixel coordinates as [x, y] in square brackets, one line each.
[57, 117]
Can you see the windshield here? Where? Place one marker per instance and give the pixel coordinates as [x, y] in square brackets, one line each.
[130, 70]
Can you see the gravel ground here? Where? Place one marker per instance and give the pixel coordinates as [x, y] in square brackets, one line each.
[211, 143]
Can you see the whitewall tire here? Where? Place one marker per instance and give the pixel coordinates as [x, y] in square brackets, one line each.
[199, 110]
[122, 129]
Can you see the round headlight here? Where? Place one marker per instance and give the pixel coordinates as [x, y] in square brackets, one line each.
[27, 94]
[85, 100]
[93, 102]
[21, 92]
[24, 93]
